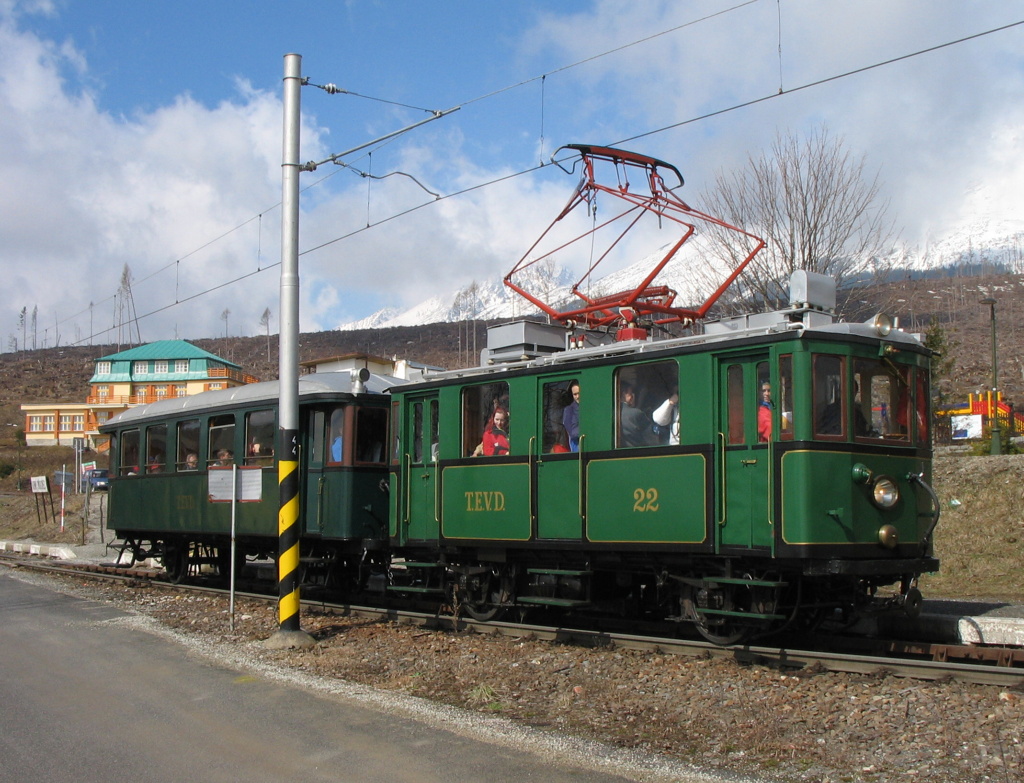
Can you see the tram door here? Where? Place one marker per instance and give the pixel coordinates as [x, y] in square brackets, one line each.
[312, 459]
[745, 423]
[421, 517]
[327, 456]
[557, 465]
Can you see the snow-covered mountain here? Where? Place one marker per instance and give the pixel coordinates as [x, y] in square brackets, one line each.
[977, 243]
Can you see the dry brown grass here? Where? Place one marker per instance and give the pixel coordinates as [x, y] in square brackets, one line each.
[980, 537]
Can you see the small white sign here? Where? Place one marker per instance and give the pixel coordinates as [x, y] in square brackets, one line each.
[87, 466]
[39, 485]
[249, 486]
[966, 427]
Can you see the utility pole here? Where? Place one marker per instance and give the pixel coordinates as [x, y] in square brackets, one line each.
[289, 633]
[994, 430]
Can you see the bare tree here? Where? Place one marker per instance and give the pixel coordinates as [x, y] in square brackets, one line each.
[465, 310]
[265, 322]
[814, 204]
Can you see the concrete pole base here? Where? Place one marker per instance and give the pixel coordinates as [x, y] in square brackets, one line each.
[289, 640]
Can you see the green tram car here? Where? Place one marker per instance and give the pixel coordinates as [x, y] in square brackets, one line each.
[168, 458]
[790, 483]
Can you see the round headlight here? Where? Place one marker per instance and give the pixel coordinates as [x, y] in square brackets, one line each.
[882, 324]
[885, 493]
[888, 536]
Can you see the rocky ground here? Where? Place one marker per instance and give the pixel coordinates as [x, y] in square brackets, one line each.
[718, 715]
[715, 714]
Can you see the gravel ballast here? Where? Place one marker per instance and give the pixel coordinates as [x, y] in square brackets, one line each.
[714, 714]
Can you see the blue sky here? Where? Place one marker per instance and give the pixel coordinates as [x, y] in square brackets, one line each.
[148, 134]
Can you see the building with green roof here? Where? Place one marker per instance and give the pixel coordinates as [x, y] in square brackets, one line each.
[147, 373]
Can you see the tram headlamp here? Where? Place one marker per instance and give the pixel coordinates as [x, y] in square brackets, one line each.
[882, 324]
[888, 536]
[884, 492]
[861, 473]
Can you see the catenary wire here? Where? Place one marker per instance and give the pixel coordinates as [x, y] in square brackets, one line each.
[531, 169]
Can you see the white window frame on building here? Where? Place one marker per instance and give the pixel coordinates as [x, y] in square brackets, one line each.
[181, 365]
[140, 368]
[48, 422]
[160, 391]
[180, 390]
[103, 391]
[65, 422]
[160, 367]
[103, 368]
[35, 424]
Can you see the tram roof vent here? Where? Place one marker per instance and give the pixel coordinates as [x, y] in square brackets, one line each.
[522, 340]
[812, 290]
[739, 324]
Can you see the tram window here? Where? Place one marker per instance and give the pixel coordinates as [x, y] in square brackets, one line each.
[785, 397]
[765, 403]
[259, 438]
[434, 428]
[156, 448]
[486, 420]
[923, 398]
[336, 437]
[221, 441]
[188, 445]
[129, 453]
[646, 392]
[371, 435]
[316, 429]
[558, 397]
[829, 406]
[396, 443]
[736, 400]
[417, 432]
[882, 399]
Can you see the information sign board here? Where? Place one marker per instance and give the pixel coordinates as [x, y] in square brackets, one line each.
[967, 426]
[249, 487]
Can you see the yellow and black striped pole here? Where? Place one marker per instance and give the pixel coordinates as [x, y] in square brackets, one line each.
[288, 533]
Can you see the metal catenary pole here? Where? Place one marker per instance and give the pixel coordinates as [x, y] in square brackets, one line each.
[289, 633]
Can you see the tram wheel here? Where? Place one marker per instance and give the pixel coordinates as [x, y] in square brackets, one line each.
[713, 628]
[175, 562]
[482, 594]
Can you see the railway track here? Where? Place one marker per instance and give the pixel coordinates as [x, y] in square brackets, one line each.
[998, 666]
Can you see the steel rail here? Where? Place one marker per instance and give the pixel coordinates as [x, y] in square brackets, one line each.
[775, 657]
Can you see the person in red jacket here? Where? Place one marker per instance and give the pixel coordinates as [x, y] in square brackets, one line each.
[764, 414]
[495, 441]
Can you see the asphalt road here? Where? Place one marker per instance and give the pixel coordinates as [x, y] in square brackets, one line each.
[85, 696]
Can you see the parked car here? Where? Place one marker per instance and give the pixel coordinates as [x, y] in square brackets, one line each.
[99, 479]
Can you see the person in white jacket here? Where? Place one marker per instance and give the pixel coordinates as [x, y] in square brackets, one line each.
[667, 415]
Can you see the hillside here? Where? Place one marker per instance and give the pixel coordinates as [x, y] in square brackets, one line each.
[56, 374]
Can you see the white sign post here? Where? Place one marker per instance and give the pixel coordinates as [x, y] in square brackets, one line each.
[234, 485]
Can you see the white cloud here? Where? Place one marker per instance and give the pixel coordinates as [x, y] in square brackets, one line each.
[185, 193]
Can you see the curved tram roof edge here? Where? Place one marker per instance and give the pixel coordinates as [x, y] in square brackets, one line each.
[712, 340]
[310, 386]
